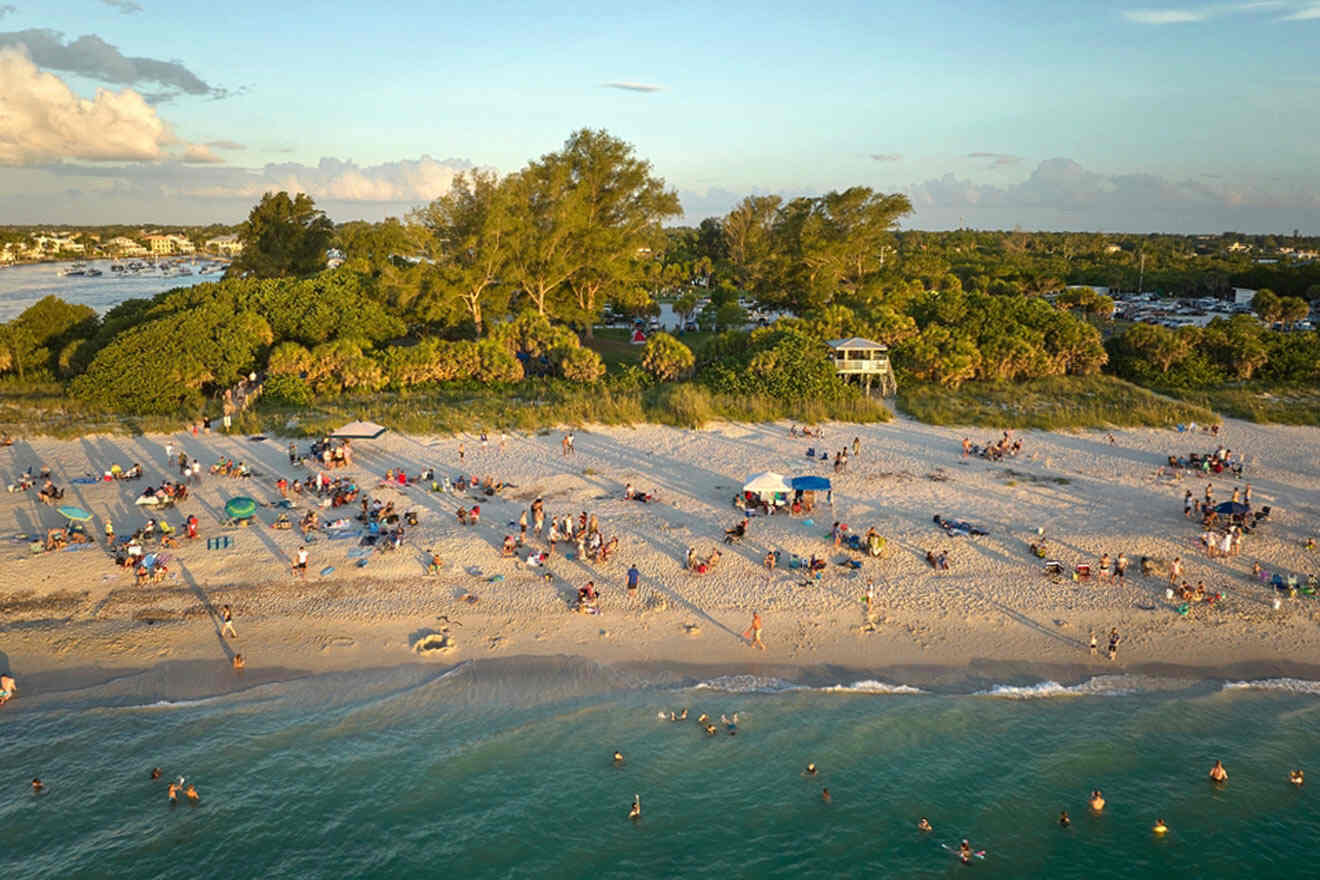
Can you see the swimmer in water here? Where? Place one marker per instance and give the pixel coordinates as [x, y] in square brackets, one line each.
[618, 757]
[38, 786]
[825, 795]
[965, 852]
[703, 718]
[923, 824]
[1218, 773]
[1064, 821]
[1160, 827]
[711, 730]
[636, 812]
[1296, 778]
[810, 771]
[155, 773]
[682, 716]
[1097, 801]
[730, 724]
[174, 793]
[191, 793]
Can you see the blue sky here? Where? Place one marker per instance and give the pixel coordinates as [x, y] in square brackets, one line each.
[1040, 114]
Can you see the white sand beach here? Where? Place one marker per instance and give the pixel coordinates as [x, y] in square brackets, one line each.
[76, 610]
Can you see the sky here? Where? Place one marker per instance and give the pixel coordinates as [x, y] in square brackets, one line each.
[1039, 114]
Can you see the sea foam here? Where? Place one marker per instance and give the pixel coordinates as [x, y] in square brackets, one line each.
[1289, 685]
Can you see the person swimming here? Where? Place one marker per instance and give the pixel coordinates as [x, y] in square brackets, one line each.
[730, 724]
[923, 824]
[174, 793]
[636, 812]
[38, 786]
[810, 771]
[618, 757]
[825, 795]
[703, 718]
[1064, 821]
[1296, 777]
[1097, 801]
[965, 852]
[191, 793]
[155, 773]
[1218, 773]
[1160, 827]
[711, 730]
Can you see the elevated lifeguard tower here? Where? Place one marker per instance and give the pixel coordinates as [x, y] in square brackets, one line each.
[867, 360]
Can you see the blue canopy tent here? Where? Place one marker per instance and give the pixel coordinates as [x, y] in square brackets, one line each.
[809, 483]
[1232, 508]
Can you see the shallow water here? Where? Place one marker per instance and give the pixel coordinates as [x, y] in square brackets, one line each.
[21, 286]
[502, 769]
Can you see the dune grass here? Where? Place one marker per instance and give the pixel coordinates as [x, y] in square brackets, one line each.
[1053, 403]
[532, 406]
[1281, 405]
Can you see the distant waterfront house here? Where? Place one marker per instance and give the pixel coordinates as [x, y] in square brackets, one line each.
[167, 245]
[125, 247]
[866, 360]
[225, 245]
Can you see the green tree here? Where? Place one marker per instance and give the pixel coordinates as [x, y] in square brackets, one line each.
[1267, 305]
[618, 206]
[467, 233]
[578, 364]
[1157, 345]
[665, 358]
[283, 236]
[1293, 309]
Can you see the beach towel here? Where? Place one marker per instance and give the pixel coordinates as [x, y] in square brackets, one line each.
[327, 570]
[362, 563]
[358, 552]
[85, 481]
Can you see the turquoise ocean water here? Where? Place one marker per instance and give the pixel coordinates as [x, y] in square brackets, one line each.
[502, 768]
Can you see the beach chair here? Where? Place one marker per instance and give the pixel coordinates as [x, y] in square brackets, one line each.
[1081, 570]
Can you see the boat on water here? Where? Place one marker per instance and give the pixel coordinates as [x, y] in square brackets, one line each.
[93, 273]
[77, 269]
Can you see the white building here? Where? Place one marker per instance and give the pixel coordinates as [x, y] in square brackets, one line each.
[1242, 296]
[225, 245]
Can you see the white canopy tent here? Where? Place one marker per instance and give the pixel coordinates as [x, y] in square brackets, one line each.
[767, 485]
[359, 431]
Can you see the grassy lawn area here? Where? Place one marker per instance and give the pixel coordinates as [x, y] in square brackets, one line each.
[615, 349]
[1052, 403]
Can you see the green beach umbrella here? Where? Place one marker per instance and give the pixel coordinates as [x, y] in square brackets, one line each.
[240, 507]
[74, 514]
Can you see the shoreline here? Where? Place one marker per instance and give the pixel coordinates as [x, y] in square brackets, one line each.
[171, 682]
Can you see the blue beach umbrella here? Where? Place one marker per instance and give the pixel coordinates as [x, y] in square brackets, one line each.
[241, 507]
[1232, 508]
[73, 514]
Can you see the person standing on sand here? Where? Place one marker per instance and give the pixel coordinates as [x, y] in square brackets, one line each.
[460, 452]
[753, 634]
[1175, 570]
[1094, 650]
[633, 576]
[1120, 567]
[1113, 643]
[169, 451]
[857, 446]
[109, 531]
[300, 565]
[227, 617]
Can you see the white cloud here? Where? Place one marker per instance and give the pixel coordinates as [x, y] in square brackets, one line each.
[41, 119]
[7, 9]
[128, 7]
[1165, 16]
[407, 180]
[997, 160]
[887, 157]
[1309, 13]
[632, 86]
[225, 145]
[200, 154]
